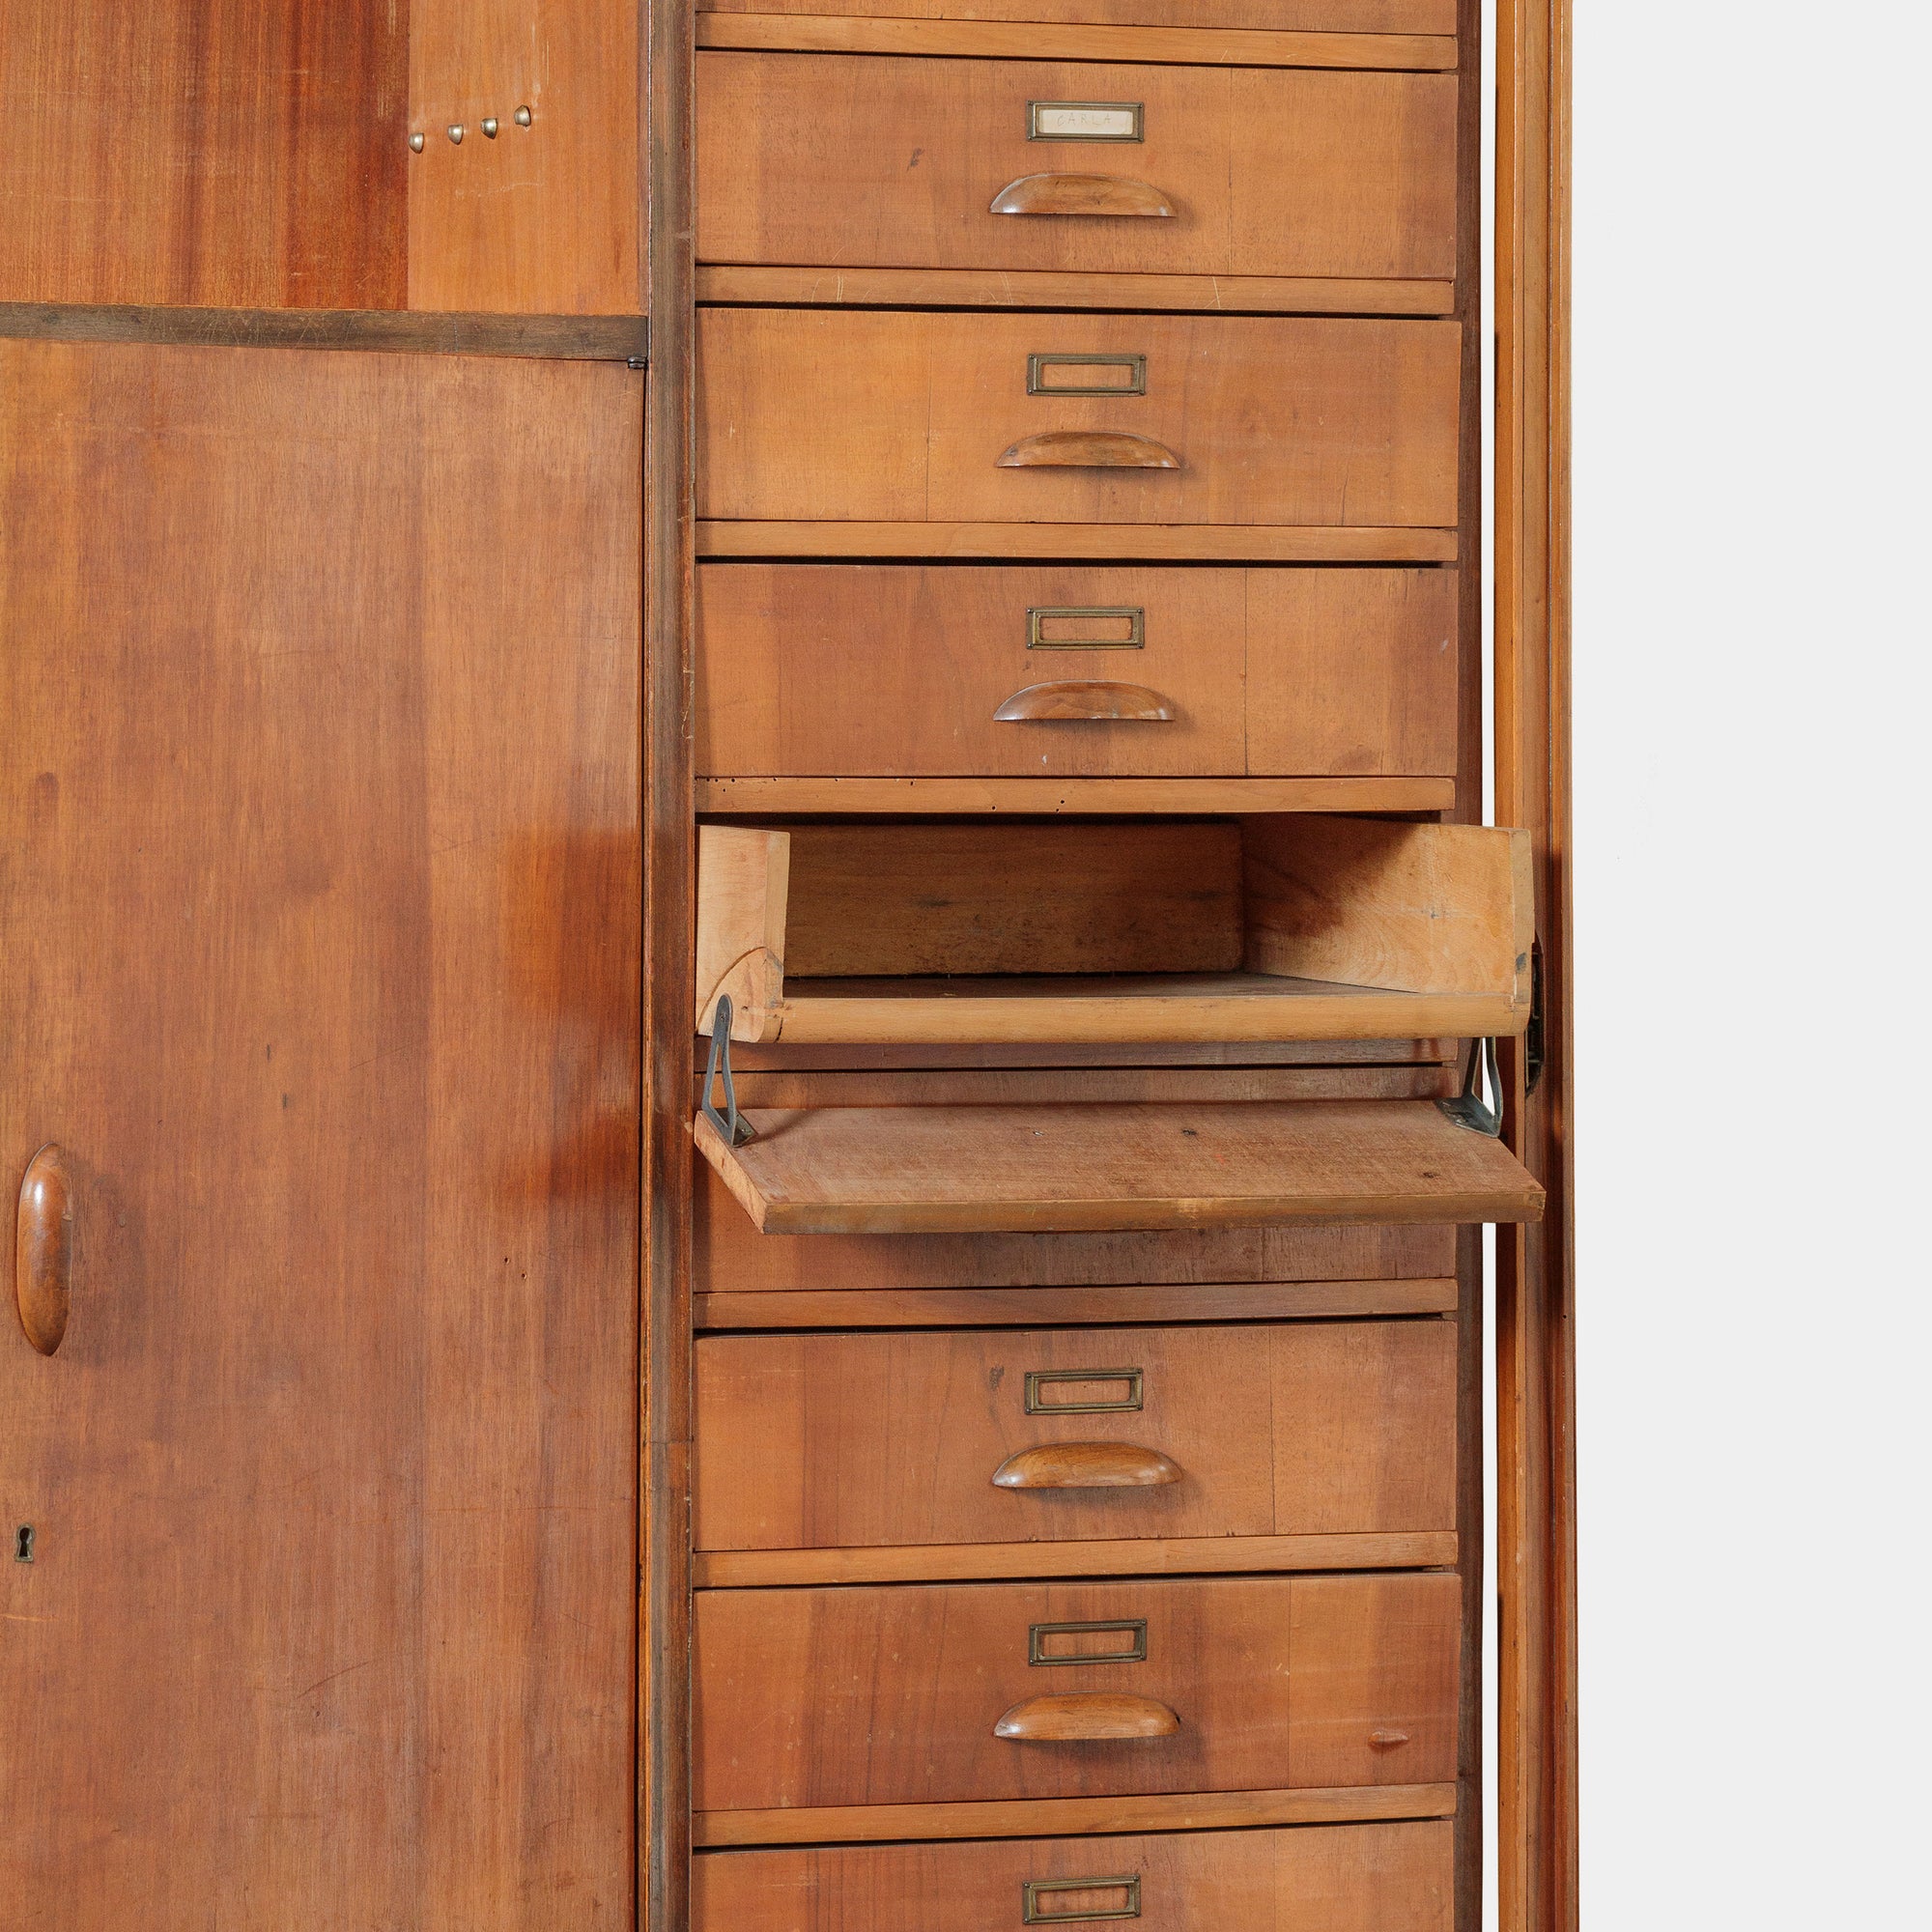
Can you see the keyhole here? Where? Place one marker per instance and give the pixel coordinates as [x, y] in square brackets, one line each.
[23, 1544]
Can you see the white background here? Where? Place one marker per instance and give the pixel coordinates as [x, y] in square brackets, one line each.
[1754, 818]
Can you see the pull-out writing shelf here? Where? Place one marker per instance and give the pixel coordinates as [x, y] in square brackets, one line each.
[1052, 1168]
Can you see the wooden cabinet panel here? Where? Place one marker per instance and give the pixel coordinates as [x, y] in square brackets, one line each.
[869, 1695]
[1359, 17]
[1318, 1878]
[544, 219]
[804, 158]
[318, 930]
[904, 417]
[729, 1255]
[255, 154]
[836, 1441]
[897, 670]
[243, 152]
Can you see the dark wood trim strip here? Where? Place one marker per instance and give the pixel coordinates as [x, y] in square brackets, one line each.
[664, 1846]
[1536, 1485]
[1064, 1817]
[567, 338]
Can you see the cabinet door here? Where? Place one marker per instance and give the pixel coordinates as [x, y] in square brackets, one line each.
[319, 961]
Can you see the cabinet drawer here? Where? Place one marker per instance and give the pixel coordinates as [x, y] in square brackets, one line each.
[803, 158]
[870, 1695]
[900, 417]
[838, 1441]
[1318, 1878]
[903, 671]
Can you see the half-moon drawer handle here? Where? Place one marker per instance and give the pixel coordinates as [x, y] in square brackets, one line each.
[44, 1249]
[1080, 194]
[1087, 449]
[1087, 1715]
[1084, 698]
[1086, 1466]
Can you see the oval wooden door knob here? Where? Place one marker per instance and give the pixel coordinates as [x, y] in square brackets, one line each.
[43, 1250]
[1081, 194]
[1087, 1716]
[1087, 449]
[1085, 1465]
[1085, 700]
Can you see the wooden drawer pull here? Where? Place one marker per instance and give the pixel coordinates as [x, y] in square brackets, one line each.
[1387, 1740]
[1086, 1466]
[1074, 699]
[1087, 449]
[1081, 194]
[1089, 1716]
[43, 1250]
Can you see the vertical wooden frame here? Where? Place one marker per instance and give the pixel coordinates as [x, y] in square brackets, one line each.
[663, 1676]
[1535, 1266]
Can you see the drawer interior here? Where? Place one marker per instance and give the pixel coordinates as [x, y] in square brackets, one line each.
[1278, 928]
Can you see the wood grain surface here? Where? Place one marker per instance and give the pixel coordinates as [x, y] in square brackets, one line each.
[1362, 1878]
[1093, 1556]
[1349, 16]
[730, 1255]
[1187, 1811]
[902, 417]
[946, 1307]
[247, 154]
[1045, 40]
[1054, 542]
[889, 1696]
[1092, 796]
[1536, 1277]
[1001, 288]
[545, 217]
[258, 156]
[809, 1442]
[320, 959]
[896, 670]
[1041, 1169]
[802, 159]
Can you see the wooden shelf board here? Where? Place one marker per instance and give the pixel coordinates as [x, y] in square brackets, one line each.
[1133, 542]
[769, 797]
[1062, 1307]
[1100, 1007]
[1069, 1817]
[818, 286]
[1029, 40]
[1024, 1169]
[1143, 1556]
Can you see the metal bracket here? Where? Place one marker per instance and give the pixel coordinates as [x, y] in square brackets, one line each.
[733, 1129]
[1468, 1108]
[1533, 1052]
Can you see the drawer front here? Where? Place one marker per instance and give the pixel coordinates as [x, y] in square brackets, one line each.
[729, 1255]
[845, 1441]
[1314, 1878]
[890, 1695]
[899, 418]
[802, 158]
[900, 671]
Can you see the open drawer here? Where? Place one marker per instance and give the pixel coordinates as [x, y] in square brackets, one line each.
[1282, 927]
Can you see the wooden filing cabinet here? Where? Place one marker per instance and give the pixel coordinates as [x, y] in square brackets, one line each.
[746, 939]
[1082, 1426]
